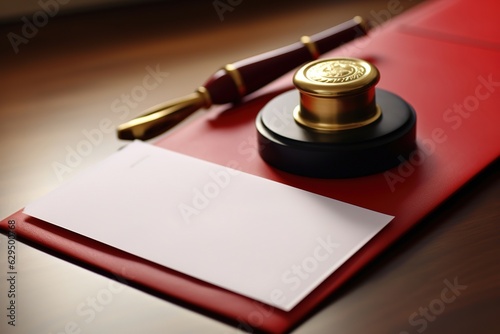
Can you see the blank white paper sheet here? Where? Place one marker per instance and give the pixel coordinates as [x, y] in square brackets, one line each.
[255, 237]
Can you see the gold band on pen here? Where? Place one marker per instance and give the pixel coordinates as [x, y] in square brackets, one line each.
[365, 25]
[306, 40]
[207, 99]
[236, 76]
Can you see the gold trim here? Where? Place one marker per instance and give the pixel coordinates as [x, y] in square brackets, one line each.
[328, 127]
[311, 46]
[362, 22]
[206, 96]
[236, 76]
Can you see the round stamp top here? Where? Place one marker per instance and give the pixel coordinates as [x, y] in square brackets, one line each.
[336, 76]
[335, 71]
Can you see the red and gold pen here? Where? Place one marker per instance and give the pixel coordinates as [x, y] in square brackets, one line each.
[231, 83]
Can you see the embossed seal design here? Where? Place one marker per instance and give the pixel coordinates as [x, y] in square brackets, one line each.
[335, 71]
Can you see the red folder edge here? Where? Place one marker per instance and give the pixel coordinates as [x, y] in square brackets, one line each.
[227, 137]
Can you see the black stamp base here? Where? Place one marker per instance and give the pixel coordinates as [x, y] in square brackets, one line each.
[374, 148]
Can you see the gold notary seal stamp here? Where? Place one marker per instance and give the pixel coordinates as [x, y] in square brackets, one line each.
[336, 94]
[336, 123]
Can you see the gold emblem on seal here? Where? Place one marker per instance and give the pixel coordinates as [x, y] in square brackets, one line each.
[335, 71]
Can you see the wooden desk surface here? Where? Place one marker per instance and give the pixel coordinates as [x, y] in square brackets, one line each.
[73, 73]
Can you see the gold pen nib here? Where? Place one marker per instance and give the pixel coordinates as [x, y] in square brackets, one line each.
[163, 117]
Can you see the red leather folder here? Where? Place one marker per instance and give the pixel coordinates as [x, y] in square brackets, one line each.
[442, 57]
